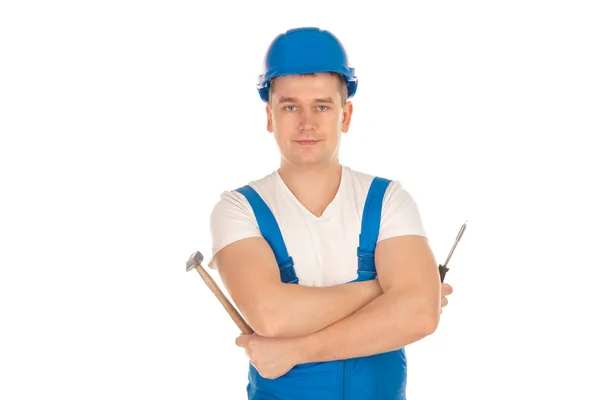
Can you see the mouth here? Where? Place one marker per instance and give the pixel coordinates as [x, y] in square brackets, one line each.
[306, 142]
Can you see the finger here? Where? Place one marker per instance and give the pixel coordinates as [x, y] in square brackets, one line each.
[444, 302]
[447, 289]
[242, 340]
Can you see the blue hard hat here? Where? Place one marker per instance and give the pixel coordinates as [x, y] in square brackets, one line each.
[302, 51]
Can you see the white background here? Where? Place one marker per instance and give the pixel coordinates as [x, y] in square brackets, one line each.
[122, 122]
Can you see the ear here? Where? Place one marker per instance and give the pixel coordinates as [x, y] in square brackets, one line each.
[347, 116]
[269, 118]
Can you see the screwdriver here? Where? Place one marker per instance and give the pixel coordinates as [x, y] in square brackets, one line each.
[444, 268]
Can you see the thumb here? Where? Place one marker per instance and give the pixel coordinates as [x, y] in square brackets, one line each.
[242, 340]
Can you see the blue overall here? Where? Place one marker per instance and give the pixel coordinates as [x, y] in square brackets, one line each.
[377, 377]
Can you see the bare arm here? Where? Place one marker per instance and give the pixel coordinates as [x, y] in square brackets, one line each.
[250, 274]
[408, 310]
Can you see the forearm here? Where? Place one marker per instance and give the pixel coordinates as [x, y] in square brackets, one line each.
[301, 310]
[388, 323]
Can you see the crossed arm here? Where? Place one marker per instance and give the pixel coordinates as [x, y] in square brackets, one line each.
[344, 321]
[250, 274]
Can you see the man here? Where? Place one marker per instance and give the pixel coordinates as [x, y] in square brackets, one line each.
[330, 266]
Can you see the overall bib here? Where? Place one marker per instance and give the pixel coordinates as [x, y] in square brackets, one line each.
[377, 377]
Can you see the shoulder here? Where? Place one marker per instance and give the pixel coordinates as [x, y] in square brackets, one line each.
[400, 213]
[232, 217]
[232, 200]
[362, 182]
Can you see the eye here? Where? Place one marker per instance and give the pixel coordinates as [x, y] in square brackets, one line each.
[289, 108]
[323, 108]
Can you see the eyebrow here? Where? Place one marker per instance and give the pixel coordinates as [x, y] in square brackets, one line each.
[327, 100]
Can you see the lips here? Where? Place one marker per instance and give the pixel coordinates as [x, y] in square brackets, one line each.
[307, 142]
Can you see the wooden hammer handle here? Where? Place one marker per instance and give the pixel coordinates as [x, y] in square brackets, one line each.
[231, 310]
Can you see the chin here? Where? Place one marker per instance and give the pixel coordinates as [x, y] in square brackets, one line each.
[309, 161]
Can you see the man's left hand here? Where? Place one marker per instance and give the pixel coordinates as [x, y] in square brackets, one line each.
[272, 357]
[446, 291]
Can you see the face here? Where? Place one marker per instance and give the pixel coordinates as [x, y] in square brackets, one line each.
[307, 118]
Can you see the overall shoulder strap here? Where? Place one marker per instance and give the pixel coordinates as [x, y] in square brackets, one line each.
[270, 230]
[369, 234]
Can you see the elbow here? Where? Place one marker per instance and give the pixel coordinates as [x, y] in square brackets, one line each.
[267, 323]
[269, 316]
[265, 328]
[429, 318]
[426, 322]
[429, 324]
[422, 325]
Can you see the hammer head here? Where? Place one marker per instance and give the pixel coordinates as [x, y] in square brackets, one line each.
[194, 260]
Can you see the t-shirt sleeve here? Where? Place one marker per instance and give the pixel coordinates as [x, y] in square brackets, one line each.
[400, 214]
[231, 219]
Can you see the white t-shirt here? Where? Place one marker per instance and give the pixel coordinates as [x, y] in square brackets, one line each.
[323, 248]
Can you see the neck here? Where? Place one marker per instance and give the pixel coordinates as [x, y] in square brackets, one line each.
[313, 175]
[314, 186]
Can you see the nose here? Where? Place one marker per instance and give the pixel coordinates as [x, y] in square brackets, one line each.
[306, 120]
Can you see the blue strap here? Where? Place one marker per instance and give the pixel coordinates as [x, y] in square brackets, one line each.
[369, 234]
[270, 230]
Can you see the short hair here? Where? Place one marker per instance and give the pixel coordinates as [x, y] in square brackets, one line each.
[343, 88]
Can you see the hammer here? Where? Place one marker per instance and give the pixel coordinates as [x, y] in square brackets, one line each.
[195, 261]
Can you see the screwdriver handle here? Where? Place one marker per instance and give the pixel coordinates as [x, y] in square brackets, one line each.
[443, 271]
